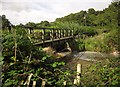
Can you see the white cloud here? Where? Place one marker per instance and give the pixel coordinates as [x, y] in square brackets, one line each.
[18, 11]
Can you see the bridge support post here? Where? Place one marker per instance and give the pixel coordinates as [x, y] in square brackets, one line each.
[43, 35]
[30, 30]
[51, 34]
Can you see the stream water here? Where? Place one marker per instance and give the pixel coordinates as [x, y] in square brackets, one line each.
[88, 55]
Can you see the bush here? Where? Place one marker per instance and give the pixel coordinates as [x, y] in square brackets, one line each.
[81, 44]
[112, 40]
[104, 73]
[96, 44]
[29, 59]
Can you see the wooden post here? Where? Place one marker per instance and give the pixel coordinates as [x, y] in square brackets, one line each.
[31, 29]
[56, 34]
[65, 83]
[28, 80]
[29, 77]
[43, 35]
[78, 72]
[51, 34]
[40, 35]
[64, 33]
[34, 84]
[77, 80]
[68, 32]
[43, 83]
[60, 33]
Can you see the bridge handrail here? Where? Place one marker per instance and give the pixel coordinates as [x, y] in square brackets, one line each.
[54, 34]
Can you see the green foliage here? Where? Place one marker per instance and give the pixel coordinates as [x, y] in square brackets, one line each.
[30, 24]
[106, 40]
[106, 17]
[81, 44]
[56, 64]
[97, 45]
[104, 73]
[1, 59]
[91, 11]
[112, 39]
[66, 25]
[19, 37]
[30, 59]
[5, 22]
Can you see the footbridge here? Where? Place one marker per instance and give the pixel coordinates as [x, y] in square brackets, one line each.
[53, 36]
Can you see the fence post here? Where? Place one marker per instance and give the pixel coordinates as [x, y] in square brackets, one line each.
[77, 79]
[65, 83]
[43, 83]
[28, 80]
[34, 84]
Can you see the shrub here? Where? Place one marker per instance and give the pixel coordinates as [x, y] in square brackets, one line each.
[29, 59]
[104, 73]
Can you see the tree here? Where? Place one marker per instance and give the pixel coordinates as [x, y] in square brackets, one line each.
[30, 24]
[5, 23]
[80, 17]
[91, 11]
[44, 24]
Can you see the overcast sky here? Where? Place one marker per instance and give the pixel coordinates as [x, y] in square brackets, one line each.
[23, 11]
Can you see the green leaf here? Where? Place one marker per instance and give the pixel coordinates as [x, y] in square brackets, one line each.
[44, 58]
[12, 73]
[55, 64]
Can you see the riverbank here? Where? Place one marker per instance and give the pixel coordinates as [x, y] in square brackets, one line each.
[86, 58]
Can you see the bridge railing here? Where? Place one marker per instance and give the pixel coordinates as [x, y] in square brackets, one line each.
[49, 34]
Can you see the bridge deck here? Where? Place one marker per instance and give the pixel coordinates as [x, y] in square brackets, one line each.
[54, 40]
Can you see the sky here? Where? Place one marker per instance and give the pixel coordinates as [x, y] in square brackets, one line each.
[23, 11]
